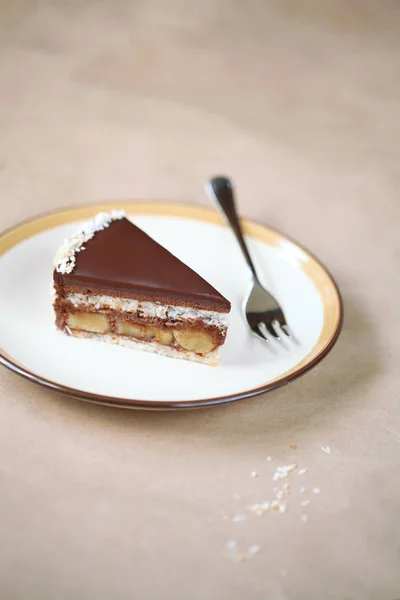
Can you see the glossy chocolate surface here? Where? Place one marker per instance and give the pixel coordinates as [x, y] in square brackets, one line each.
[122, 258]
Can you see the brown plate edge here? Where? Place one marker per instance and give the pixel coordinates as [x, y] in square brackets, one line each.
[292, 375]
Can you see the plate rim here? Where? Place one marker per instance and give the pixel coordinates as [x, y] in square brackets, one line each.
[168, 208]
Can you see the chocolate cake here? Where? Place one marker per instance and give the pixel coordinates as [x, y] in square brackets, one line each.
[113, 282]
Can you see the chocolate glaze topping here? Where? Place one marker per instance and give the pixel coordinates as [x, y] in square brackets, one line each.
[122, 258]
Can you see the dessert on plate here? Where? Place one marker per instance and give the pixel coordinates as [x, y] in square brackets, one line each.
[113, 282]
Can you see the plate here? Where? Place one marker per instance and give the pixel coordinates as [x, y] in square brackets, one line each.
[98, 372]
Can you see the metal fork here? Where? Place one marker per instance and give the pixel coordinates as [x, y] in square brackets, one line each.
[261, 311]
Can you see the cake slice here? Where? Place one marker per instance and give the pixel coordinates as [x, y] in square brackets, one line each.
[114, 283]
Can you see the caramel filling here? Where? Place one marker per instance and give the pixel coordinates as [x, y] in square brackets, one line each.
[95, 323]
[162, 336]
[194, 341]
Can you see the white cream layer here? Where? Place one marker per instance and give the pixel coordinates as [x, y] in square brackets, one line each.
[150, 309]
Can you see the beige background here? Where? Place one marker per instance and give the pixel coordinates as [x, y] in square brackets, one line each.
[298, 100]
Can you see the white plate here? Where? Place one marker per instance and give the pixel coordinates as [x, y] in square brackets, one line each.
[99, 372]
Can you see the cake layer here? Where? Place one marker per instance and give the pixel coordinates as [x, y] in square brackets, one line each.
[155, 315]
[147, 309]
[211, 359]
[193, 337]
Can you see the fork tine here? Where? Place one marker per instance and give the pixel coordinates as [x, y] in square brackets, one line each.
[286, 329]
[271, 330]
[255, 331]
[258, 330]
[262, 329]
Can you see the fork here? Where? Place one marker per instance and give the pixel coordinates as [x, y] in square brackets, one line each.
[260, 309]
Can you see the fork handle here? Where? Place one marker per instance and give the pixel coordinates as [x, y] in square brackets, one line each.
[220, 189]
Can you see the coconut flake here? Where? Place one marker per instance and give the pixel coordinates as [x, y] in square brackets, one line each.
[282, 472]
[238, 518]
[259, 509]
[64, 261]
